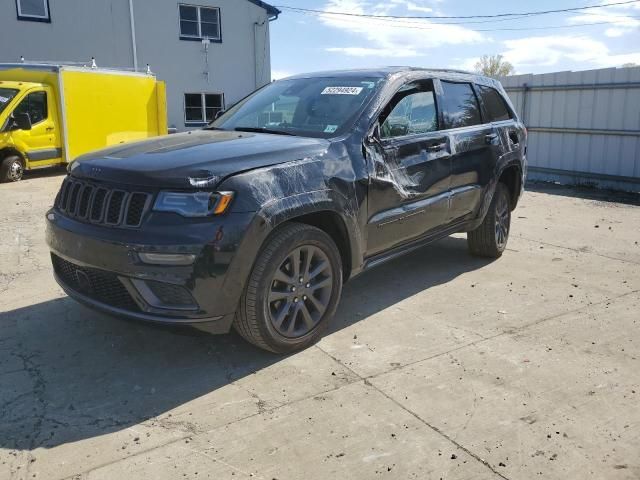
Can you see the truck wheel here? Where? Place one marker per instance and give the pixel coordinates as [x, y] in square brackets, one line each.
[490, 238]
[11, 169]
[293, 290]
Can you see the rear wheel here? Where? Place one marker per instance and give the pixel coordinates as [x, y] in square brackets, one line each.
[293, 290]
[11, 169]
[490, 238]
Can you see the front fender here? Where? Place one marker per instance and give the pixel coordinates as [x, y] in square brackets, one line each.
[278, 212]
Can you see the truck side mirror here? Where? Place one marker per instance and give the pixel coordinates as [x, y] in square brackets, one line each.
[22, 121]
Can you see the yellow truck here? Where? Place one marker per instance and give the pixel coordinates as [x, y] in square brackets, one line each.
[51, 114]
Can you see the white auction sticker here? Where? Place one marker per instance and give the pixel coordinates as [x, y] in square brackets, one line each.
[341, 91]
[4, 99]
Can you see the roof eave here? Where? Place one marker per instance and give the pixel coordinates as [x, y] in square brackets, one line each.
[271, 10]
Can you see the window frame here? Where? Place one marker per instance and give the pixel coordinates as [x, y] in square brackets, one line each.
[34, 18]
[485, 110]
[203, 108]
[199, 37]
[26, 98]
[436, 101]
[473, 86]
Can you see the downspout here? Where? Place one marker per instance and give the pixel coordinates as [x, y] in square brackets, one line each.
[255, 52]
[270, 18]
[134, 48]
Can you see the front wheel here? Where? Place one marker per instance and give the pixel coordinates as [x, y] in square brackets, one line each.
[293, 290]
[490, 238]
[11, 169]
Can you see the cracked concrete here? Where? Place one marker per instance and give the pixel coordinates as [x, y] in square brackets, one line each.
[438, 365]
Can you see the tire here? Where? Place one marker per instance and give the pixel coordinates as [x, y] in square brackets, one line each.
[490, 238]
[274, 317]
[11, 169]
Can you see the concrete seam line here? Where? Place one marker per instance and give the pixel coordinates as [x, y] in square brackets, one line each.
[474, 343]
[196, 435]
[366, 381]
[499, 334]
[577, 250]
[437, 430]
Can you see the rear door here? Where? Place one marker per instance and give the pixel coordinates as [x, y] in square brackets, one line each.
[473, 156]
[408, 192]
[496, 110]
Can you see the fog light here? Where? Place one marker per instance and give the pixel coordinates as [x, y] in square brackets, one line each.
[176, 259]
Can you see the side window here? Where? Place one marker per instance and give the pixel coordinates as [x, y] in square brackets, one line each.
[494, 104]
[460, 105]
[35, 104]
[414, 113]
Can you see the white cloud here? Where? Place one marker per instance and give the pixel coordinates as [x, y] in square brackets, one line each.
[402, 38]
[547, 52]
[621, 17]
[551, 50]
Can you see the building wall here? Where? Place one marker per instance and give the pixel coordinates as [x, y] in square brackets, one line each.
[81, 29]
[181, 63]
[584, 127]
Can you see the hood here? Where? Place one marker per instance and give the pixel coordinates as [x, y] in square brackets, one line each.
[170, 161]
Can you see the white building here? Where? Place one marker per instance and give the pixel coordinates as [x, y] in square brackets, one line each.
[211, 53]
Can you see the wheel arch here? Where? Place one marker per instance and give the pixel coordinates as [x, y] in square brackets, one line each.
[10, 151]
[511, 176]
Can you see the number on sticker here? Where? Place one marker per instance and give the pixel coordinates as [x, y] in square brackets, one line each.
[342, 91]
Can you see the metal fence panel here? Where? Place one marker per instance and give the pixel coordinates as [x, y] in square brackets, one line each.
[584, 127]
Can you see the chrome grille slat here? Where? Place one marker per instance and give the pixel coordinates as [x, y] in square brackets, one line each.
[98, 204]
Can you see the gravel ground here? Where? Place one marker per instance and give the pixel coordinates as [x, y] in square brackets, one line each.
[438, 365]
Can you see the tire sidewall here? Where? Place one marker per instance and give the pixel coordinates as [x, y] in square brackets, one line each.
[5, 168]
[275, 340]
[501, 190]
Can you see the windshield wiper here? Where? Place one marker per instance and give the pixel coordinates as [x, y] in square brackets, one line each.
[262, 130]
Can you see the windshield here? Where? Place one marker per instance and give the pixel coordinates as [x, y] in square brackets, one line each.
[6, 95]
[309, 107]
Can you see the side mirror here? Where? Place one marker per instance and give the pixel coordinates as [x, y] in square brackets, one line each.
[22, 121]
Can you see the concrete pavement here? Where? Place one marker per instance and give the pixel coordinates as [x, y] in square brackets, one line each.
[438, 365]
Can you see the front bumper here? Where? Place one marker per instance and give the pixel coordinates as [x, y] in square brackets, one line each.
[101, 268]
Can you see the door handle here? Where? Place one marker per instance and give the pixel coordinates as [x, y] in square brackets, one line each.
[437, 147]
[49, 129]
[490, 138]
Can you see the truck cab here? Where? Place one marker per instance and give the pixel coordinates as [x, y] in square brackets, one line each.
[29, 128]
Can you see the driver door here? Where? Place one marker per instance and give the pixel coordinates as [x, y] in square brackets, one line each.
[409, 170]
[41, 144]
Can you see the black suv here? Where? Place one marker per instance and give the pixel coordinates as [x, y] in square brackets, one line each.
[257, 220]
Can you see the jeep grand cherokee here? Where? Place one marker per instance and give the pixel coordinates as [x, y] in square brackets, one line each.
[257, 220]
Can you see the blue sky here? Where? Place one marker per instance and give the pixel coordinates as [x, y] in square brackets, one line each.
[304, 42]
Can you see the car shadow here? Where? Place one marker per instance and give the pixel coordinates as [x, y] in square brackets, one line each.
[68, 373]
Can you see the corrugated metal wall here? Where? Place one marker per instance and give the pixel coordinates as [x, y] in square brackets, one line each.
[584, 127]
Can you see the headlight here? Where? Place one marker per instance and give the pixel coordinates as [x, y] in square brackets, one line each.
[196, 204]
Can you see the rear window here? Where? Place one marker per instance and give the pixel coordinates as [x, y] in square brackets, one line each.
[494, 104]
[460, 105]
[6, 95]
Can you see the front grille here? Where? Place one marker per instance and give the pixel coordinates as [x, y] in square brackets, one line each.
[92, 203]
[104, 287]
